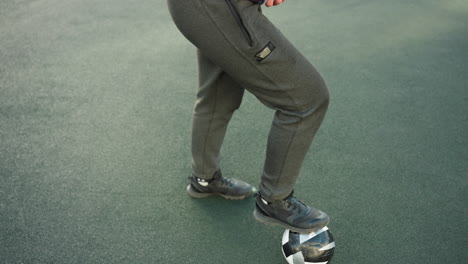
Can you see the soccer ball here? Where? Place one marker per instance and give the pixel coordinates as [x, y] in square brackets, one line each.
[314, 248]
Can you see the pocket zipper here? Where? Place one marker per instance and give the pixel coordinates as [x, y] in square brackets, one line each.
[238, 18]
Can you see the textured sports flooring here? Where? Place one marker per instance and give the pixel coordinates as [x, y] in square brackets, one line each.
[95, 111]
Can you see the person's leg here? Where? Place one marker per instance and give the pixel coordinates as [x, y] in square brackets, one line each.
[237, 37]
[217, 98]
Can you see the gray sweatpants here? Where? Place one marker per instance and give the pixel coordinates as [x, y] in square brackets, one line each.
[239, 48]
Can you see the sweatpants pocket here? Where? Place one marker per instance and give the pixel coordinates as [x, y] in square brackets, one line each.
[240, 22]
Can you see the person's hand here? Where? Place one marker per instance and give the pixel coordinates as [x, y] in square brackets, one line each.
[270, 3]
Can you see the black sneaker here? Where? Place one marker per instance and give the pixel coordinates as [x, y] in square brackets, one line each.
[225, 187]
[291, 214]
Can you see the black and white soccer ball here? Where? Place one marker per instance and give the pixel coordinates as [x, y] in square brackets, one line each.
[316, 247]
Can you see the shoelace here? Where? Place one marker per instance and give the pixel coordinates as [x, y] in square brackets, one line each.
[227, 181]
[295, 204]
[291, 202]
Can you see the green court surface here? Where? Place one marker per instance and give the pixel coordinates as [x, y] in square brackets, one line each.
[95, 116]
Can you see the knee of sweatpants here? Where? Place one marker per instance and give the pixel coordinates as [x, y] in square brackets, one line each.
[317, 101]
[223, 110]
[228, 111]
[325, 98]
[229, 105]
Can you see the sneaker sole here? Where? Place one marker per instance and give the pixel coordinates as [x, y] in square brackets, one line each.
[262, 218]
[195, 194]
